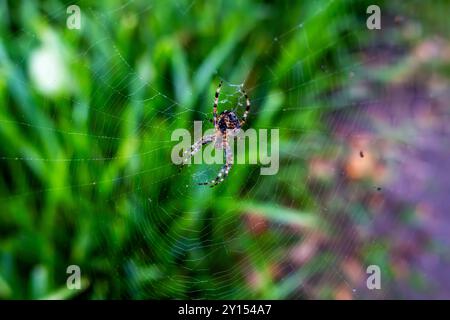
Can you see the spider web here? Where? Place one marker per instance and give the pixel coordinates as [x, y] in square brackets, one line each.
[251, 236]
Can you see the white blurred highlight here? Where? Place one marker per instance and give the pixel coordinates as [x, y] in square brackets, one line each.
[46, 67]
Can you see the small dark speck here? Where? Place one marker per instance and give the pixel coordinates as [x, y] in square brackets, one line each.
[361, 154]
[378, 189]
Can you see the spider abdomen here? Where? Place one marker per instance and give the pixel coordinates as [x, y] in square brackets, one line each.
[228, 121]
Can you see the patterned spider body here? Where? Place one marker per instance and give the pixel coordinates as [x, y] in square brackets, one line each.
[228, 120]
[227, 123]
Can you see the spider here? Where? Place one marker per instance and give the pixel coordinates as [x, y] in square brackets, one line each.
[226, 124]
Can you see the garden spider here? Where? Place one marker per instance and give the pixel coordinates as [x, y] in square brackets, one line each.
[226, 124]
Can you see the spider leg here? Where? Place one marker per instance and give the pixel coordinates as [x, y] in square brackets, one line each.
[247, 108]
[216, 102]
[223, 173]
[196, 147]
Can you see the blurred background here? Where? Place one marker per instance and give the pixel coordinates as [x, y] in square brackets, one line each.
[86, 117]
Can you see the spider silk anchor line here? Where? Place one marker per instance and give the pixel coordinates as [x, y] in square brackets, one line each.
[258, 148]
